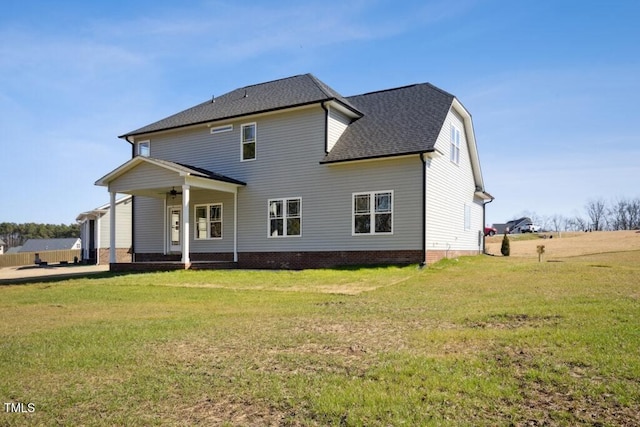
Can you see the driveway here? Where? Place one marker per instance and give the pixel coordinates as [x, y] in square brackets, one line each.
[30, 273]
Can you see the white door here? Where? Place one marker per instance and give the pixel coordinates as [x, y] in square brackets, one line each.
[175, 235]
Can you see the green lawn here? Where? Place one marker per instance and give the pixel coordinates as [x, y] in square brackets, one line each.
[478, 341]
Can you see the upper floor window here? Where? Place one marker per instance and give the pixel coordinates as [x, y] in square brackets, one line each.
[144, 148]
[208, 221]
[285, 217]
[248, 137]
[373, 213]
[455, 145]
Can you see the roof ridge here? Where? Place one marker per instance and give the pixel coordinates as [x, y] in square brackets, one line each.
[266, 83]
[404, 87]
[318, 84]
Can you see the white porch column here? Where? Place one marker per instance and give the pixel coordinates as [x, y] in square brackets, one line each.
[96, 239]
[185, 225]
[112, 228]
[235, 225]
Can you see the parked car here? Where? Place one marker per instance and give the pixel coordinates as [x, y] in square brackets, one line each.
[490, 231]
[528, 228]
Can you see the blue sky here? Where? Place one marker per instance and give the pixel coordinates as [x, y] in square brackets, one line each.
[553, 85]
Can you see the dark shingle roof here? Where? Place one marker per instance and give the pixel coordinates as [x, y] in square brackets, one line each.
[41, 245]
[275, 95]
[193, 170]
[398, 121]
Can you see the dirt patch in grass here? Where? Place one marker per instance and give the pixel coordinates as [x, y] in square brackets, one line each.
[568, 244]
[209, 410]
[316, 281]
[546, 402]
[512, 321]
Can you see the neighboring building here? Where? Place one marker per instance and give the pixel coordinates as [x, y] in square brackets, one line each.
[514, 225]
[291, 174]
[500, 228]
[2, 246]
[42, 245]
[95, 229]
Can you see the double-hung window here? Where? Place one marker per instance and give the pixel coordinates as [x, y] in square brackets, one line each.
[467, 217]
[373, 213]
[455, 145]
[285, 217]
[208, 221]
[144, 148]
[248, 138]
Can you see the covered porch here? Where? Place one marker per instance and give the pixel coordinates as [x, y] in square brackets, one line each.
[180, 215]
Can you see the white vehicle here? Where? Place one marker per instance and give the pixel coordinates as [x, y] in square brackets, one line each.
[528, 228]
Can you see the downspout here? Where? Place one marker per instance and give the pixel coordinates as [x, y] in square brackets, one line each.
[424, 211]
[133, 221]
[326, 127]
[133, 208]
[484, 221]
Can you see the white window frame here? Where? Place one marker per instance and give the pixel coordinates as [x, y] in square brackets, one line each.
[372, 213]
[208, 221]
[285, 216]
[140, 147]
[454, 154]
[244, 142]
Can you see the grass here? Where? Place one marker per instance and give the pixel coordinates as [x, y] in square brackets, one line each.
[474, 341]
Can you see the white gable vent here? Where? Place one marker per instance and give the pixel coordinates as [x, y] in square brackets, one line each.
[221, 129]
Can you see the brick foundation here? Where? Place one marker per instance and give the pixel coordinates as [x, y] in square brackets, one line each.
[194, 257]
[302, 260]
[284, 260]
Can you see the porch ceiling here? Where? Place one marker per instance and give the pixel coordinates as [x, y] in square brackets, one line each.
[145, 176]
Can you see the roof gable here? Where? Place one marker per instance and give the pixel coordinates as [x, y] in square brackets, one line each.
[395, 122]
[179, 168]
[280, 94]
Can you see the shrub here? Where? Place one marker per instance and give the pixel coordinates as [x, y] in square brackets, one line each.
[505, 250]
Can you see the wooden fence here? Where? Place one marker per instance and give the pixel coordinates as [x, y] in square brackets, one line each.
[28, 258]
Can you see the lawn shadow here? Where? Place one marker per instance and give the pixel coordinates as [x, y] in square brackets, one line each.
[63, 277]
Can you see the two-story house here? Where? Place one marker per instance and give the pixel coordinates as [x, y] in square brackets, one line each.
[291, 174]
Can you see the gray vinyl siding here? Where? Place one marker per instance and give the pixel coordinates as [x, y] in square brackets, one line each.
[225, 244]
[123, 226]
[450, 187]
[143, 176]
[149, 225]
[289, 148]
[336, 125]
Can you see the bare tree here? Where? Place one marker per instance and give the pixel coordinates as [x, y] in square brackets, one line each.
[558, 223]
[624, 214]
[577, 223]
[597, 211]
[633, 208]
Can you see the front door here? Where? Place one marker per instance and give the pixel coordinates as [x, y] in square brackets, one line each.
[175, 223]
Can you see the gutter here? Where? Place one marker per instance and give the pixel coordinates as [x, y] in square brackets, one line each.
[380, 156]
[133, 147]
[238, 116]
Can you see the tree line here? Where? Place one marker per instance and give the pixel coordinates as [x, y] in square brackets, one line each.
[599, 215]
[16, 234]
